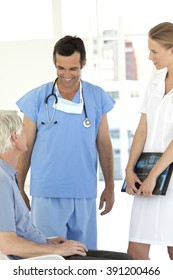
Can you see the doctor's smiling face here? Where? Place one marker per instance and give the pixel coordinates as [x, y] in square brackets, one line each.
[69, 70]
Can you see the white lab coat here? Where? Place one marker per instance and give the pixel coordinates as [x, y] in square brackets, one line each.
[151, 218]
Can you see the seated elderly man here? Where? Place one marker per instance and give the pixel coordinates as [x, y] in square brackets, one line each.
[18, 237]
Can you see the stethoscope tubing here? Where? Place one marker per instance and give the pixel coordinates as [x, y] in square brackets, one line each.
[52, 93]
[86, 121]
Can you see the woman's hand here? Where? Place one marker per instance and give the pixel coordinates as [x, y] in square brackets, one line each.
[133, 183]
[147, 187]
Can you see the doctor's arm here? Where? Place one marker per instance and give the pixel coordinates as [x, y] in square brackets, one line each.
[105, 152]
[25, 158]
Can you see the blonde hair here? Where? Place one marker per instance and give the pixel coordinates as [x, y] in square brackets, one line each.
[162, 34]
[10, 122]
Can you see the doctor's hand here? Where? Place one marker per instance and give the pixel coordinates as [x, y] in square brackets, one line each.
[106, 200]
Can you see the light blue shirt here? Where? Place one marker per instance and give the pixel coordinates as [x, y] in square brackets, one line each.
[14, 214]
[64, 158]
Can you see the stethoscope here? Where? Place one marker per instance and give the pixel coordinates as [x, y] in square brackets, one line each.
[86, 122]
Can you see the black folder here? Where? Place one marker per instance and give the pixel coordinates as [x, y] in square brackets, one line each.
[144, 165]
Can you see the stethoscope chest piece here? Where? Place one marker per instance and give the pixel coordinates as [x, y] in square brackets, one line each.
[86, 123]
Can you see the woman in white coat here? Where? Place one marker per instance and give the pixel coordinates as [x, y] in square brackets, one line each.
[151, 217]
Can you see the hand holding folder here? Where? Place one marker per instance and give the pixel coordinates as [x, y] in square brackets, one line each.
[144, 165]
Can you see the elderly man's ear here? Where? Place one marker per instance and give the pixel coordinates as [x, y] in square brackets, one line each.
[14, 137]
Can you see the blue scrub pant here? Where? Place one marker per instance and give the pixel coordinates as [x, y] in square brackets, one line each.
[74, 219]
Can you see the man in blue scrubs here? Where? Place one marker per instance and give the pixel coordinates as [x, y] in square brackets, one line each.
[18, 237]
[67, 132]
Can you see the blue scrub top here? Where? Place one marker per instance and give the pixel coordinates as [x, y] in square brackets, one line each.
[64, 158]
[14, 214]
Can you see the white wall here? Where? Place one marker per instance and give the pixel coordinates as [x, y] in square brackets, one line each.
[23, 66]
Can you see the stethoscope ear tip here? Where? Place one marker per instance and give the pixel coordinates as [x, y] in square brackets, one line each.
[49, 123]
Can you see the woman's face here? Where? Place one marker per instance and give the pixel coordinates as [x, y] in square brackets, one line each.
[160, 56]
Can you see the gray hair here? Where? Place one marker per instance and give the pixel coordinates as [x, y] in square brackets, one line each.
[10, 122]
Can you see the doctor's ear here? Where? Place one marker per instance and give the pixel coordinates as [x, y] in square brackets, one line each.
[83, 63]
[54, 61]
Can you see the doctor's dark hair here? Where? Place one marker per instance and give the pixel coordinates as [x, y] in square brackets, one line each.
[162, 34]
[67, 45]
[10, 123]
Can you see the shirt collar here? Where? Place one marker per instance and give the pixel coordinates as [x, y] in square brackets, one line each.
[8, 168]
[160, 77]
